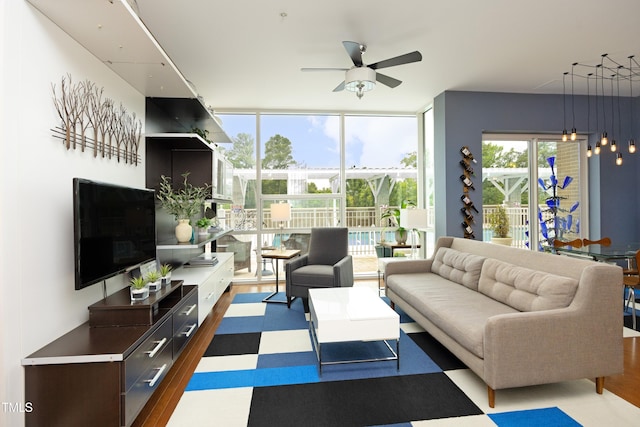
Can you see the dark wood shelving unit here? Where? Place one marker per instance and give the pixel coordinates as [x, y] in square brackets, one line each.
[104, 371]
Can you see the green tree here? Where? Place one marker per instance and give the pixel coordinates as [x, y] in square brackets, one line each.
[312, 188]
[359, 193]
[277, 153]
[242, 155]
[410, 160]
[405, 190]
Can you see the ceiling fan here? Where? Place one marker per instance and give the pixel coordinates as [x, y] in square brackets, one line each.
[362, 78]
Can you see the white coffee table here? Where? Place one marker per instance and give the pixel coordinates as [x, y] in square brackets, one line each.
[352, 314]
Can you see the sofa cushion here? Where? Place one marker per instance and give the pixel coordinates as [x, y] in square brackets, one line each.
[459, 267]
[525, 289]
[458, 311]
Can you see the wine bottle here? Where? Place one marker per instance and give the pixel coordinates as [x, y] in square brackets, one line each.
[466, 153]
[468, 231]
[467, 228]
[467, 182]
[467, 216]
[467, 168]
[468, 203]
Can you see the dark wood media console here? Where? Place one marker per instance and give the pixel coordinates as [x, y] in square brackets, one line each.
[104, 371]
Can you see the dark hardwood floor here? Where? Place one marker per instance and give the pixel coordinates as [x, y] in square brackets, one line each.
[162, 404]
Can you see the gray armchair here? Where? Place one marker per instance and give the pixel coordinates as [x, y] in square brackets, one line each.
[326, 265]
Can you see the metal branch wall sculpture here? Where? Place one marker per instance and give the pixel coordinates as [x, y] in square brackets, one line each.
[81, 107]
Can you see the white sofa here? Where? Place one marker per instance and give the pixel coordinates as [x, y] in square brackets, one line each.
[515, 317]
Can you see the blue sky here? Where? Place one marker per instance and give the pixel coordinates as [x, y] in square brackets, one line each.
[374, 142]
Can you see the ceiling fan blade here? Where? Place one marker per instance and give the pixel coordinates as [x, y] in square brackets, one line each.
[353, 49]
[407, 58]
[339, 88]
[388, 81]
[323, 69]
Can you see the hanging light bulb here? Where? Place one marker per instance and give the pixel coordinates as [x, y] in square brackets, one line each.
[574, 133]
[597, 150]
[632, 142]
[604, 140]
[619, 159]
[589, 151]
[613, 141]
[564, 108]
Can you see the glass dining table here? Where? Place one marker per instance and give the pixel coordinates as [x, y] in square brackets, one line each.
[601, 253]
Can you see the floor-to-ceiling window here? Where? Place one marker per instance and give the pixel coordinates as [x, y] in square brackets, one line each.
[332, 169]
[510, 164]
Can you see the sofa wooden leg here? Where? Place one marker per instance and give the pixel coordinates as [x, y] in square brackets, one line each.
[492, 397]
[599, 385]
[393, 305]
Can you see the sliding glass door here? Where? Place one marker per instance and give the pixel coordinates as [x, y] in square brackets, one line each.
[549, 173]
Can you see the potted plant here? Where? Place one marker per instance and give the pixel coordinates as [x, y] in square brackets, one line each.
[393, 214]
[165, 273]
[203, 224]
[183, 204]
[499, 222]
[138, 288]
[153, 280]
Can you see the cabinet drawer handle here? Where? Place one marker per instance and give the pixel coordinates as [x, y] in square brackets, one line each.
[188, 312]
[191, 329]
[157, 348]
[211, 294]
[156, 377]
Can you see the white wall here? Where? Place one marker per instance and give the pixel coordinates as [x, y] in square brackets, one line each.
[38, 302]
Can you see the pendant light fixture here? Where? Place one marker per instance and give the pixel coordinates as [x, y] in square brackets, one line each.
[613, 146]
[564, 108]
[574, 133]
[614, 70]
[632, 142]
[589, 152]
[603, 140]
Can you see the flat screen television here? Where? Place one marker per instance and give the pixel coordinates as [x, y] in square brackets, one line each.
[114, 230]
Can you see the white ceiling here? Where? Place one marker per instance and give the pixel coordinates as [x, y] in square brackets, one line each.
[244, 54]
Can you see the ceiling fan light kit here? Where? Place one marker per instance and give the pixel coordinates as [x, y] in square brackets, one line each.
[360, 80]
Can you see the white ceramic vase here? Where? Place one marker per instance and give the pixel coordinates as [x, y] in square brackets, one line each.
[183, 231]
[155, 286]
[166, 279]
[139, 294]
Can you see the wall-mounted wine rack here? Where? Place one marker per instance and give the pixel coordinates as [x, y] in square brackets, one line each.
[467, 184]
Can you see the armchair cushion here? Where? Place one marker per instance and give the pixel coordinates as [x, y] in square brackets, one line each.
[328, 245]
[314, 276]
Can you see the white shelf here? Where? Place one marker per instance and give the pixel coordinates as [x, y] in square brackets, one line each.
[112, 31]
[199, 241]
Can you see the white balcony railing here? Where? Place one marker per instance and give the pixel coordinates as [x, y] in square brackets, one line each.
[363, 223]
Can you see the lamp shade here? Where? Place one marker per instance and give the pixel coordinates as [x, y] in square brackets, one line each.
[281, 212]
[360, 79]
[413, 218]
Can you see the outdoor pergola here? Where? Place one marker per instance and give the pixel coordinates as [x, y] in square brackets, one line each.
[511, 182]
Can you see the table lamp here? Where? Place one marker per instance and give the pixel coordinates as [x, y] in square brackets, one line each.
[413, 219]
[281, 212]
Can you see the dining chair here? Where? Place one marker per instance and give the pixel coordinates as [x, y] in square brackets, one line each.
[631, 283]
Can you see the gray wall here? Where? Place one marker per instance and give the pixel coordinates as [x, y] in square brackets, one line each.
[460, 118]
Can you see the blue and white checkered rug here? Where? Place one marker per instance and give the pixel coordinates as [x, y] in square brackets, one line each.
[260, 369]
